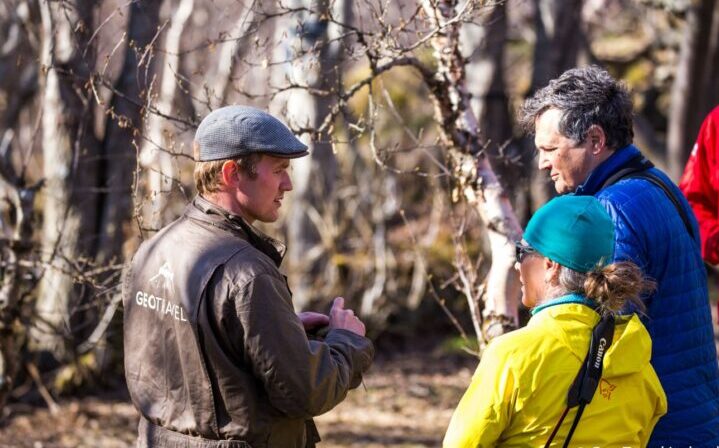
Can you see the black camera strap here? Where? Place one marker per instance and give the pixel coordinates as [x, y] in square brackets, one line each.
[585, 384]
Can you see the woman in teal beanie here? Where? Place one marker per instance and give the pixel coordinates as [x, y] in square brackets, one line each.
[578, 371]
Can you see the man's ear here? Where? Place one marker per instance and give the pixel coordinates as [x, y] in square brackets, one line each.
[229, 173]
[597, 138]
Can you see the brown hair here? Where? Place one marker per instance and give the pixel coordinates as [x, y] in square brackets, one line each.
[207, 174]
[616, 285]
[612, 286]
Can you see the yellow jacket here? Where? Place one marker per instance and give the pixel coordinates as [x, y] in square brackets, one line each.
[520, 388]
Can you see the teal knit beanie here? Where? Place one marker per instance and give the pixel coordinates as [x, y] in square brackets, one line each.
[574, 231]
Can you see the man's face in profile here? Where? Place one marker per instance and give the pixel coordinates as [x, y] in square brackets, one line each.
[260, 197]
[568, 162]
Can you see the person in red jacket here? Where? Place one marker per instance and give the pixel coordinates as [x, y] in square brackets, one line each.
[700, 184]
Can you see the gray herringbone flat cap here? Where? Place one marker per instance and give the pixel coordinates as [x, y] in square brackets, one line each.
[234, 131]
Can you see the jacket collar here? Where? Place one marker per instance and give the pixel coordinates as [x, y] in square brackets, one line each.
[572, 323]
[573, 311]
[203, 210]
[614, 163]
[561, 300]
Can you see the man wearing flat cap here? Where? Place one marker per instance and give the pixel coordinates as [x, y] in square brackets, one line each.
[215, 355]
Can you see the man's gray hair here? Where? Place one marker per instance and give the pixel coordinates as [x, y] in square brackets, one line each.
[586, 96]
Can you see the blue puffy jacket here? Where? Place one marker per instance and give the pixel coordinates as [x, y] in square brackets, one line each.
[650, 232]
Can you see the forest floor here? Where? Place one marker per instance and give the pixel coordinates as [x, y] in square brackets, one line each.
[407, 401]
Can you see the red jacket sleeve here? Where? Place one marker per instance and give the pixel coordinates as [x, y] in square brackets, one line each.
[700, 184]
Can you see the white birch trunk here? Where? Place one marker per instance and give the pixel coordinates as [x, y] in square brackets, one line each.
[154, 155]
[231, 51]
[484, 46]
[477, 180]
[313, 176]
[68, 211]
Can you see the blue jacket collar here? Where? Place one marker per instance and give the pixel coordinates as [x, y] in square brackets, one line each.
[610, 166]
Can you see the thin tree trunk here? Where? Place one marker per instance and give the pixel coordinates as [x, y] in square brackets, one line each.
[18, 80]
[231, 52]
[18, 74]
[559, 41]
[485, 82]
[314, 176]
[558, 27]
[476, 179]
[688, 103]
[15, 246]
[154, 155]
[711, 82]
[69, 153]
[120, 145]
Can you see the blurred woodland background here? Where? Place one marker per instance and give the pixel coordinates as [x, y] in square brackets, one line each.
[416, 182]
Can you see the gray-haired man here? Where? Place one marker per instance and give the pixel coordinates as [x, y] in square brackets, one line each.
[214, 354]
[582, 123]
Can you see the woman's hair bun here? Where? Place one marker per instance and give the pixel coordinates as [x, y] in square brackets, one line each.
[615, 285]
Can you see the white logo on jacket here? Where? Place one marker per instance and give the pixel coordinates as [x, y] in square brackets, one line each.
[162, 281]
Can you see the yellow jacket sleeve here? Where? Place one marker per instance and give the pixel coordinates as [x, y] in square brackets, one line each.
[486, 407]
